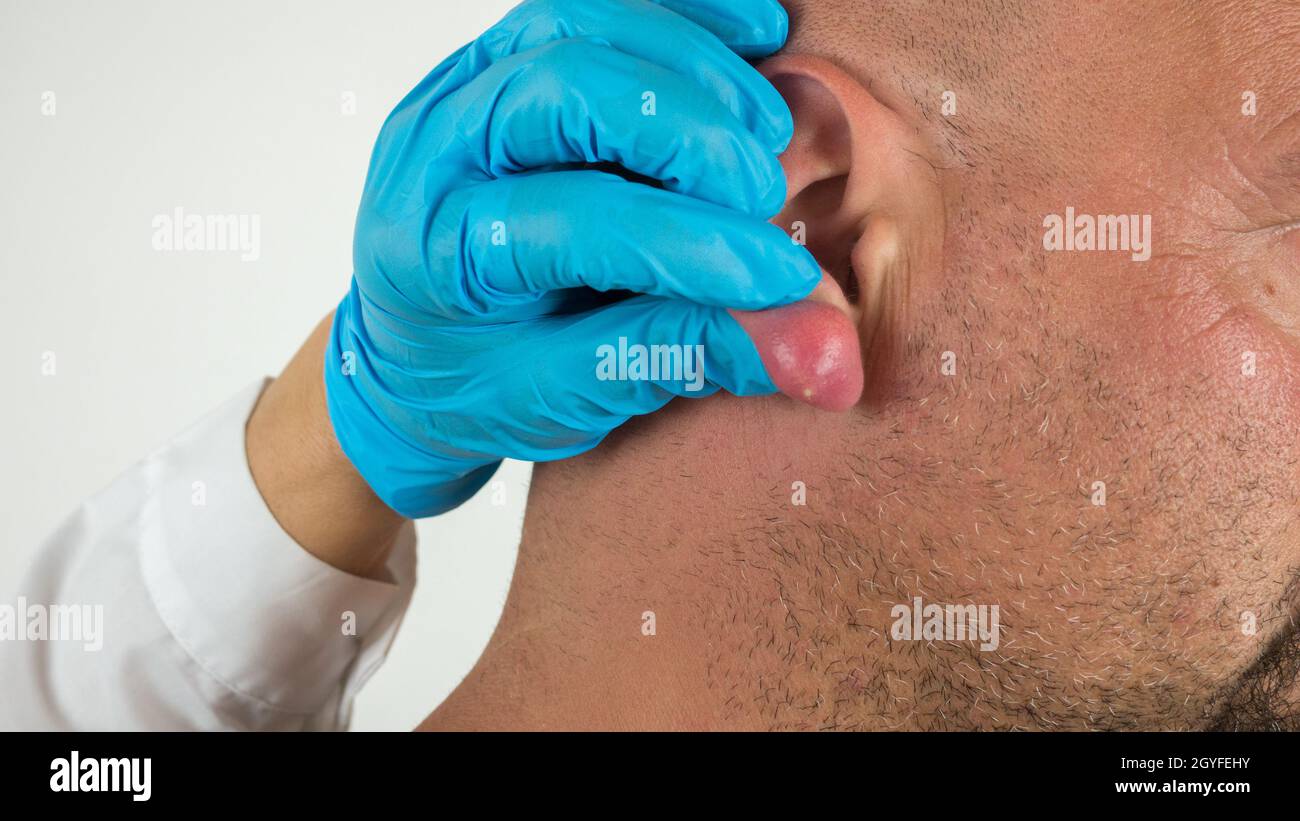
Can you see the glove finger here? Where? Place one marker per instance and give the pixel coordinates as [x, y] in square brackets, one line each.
[505, 243]
[751, 28]
[665, 34]
[581, 102]
[554, 388]
[680, 347]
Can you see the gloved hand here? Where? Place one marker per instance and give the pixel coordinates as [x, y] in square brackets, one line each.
[480, 323]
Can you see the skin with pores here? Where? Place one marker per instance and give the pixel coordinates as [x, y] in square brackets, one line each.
[1071, 368]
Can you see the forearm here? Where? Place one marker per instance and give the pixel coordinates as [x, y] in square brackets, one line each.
[307, 482]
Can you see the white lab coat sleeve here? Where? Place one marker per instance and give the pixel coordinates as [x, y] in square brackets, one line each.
[212, 617]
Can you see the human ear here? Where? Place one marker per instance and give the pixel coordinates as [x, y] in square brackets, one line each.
[864, 199]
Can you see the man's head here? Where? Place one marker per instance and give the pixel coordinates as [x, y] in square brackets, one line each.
[1101, 443]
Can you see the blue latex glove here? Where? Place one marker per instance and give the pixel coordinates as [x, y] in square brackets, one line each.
[484, 256]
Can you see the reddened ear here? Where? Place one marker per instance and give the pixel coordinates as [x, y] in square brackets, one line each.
[862, 194]
[864, 199]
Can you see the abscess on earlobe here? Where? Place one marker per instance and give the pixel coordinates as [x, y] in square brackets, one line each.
[811, 351]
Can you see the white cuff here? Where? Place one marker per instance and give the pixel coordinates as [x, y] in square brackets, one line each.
[249, 605]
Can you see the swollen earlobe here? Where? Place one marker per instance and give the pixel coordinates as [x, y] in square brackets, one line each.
[810, 349]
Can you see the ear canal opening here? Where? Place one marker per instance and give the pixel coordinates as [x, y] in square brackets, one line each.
[820, 208]
[849, 283]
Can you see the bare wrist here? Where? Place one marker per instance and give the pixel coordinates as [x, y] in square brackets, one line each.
[308, 483]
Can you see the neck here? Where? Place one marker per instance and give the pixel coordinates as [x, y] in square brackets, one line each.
[628, 612]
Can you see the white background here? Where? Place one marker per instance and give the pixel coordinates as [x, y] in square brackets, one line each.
[218, 108]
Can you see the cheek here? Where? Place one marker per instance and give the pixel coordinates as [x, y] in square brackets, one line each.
[1213, 360]
[1203, 447]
